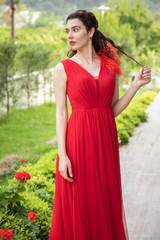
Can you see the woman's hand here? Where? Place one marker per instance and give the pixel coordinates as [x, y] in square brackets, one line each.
[143, 76]
[64, 164]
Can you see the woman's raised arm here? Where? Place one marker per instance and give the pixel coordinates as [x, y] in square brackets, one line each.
[118, 105]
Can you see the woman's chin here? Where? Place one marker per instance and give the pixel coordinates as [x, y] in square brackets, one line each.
[73, 48]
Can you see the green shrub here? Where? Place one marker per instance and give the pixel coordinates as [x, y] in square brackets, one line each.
[133, 115]
[34, 195]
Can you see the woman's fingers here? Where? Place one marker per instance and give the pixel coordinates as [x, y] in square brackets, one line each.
[65, 176]
[146, 73]
[70, 171]
[68, 178]
[64, 173]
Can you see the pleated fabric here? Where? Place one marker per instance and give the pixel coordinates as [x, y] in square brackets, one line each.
[90, 207]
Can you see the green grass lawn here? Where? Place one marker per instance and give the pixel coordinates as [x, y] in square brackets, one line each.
[28, 133]
[25, 132]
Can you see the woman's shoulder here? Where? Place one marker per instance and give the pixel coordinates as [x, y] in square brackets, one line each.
[59, 71]
[60, 65]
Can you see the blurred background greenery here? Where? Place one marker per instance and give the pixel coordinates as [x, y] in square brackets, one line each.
[40, 42]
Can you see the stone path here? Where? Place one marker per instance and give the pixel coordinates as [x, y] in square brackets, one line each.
[140, 170]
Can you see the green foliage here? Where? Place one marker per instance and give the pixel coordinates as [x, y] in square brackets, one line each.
[7, 54]
[36, 195]
[28, 55]
[53, 39]
[32, 57]
[137, 14]
[43, 21]
[133, 115]
[13, 214]
[110, 24]
[154, 43]
[36, 50]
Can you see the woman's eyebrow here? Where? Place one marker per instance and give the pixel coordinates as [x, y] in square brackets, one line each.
[72, 27]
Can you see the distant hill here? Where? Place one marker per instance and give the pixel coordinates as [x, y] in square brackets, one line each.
[63, 7]
[154, 5]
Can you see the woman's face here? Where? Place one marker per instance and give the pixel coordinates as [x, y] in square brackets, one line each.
[77, 35]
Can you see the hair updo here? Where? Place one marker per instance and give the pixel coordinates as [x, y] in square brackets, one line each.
[99, 41]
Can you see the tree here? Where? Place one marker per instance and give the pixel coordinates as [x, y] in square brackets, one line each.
[43, 65]
[139, 18]
[44, 20]
[7, 54]
[28, 61]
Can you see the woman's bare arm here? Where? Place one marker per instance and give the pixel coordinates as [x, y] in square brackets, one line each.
[59, 84]
[118, 105]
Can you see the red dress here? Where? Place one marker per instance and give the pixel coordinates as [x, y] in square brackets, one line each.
[90, 207]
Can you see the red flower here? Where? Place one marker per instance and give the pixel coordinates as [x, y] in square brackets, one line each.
[6, 234]
[22, 176]
[22, 160]
[1, 232]
[32, 216]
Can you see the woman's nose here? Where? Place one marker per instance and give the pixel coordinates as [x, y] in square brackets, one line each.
[69, 34]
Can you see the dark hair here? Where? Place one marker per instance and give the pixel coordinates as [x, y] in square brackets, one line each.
[99, 41]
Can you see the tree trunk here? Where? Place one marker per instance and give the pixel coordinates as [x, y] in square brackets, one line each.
[44, 85]
[28, 90]
[12, 19]
[7, 92]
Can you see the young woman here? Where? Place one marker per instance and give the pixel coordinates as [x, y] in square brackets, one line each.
[88, 203]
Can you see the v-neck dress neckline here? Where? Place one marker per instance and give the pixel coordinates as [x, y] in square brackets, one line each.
[94, 77]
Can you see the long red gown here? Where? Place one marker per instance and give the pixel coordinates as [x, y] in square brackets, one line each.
[90, 207]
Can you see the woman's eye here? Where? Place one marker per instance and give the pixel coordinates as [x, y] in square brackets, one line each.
[75, 30]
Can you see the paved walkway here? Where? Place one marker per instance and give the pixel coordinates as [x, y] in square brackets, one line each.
[140, 169]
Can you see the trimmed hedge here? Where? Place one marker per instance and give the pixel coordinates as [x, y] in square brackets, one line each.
[36, 194]
[133, 115]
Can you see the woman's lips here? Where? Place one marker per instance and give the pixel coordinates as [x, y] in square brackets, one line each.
[72, 43]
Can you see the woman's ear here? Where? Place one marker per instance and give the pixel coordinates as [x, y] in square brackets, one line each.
[91, 32]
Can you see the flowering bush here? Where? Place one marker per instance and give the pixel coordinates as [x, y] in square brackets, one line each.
[12, 204]
[32, 216]
[22, 160]
[20, 199]
[6, 234]
[22, 176]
